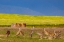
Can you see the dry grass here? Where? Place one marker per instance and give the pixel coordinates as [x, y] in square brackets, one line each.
[26, 38]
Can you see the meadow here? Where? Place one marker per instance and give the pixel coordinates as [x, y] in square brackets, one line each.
[8, 19]
[25, 38]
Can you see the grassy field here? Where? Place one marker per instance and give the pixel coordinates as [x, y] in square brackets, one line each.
[26, 38]
[8, 19]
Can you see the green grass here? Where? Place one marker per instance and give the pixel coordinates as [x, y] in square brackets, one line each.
[17, 39]
[7, 19]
